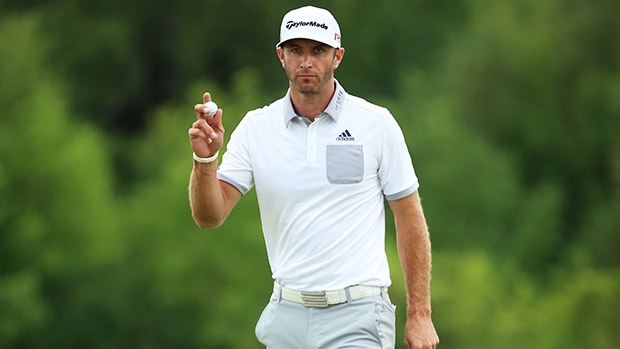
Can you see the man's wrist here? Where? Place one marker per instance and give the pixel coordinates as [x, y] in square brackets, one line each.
[206, 160]
[413, 311]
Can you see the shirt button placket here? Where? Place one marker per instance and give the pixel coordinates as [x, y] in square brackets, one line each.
[311, 142]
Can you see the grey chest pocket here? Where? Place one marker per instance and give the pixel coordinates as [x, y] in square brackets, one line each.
[345, 163]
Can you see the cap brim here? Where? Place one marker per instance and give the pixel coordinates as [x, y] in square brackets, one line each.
[307, 37]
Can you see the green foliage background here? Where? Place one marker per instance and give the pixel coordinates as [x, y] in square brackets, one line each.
[512, 114]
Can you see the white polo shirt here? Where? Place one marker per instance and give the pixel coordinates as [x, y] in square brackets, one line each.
[321, 188]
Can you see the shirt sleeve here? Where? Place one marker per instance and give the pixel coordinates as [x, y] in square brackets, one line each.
[396, 173]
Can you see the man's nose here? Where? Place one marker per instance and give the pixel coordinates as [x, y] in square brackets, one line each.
[306, 61]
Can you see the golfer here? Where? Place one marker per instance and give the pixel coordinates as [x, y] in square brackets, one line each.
[322, 162]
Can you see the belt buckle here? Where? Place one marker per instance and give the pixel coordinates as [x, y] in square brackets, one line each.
[314, 299]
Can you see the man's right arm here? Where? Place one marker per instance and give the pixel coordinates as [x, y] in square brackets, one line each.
[211, 199]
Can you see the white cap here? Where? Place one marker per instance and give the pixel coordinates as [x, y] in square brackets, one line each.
[310, 23]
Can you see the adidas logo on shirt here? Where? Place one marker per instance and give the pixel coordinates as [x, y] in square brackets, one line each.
[345, 136]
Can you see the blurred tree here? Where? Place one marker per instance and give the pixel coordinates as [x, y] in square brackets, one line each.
[480, 303]
[548, 95]
[57, 218]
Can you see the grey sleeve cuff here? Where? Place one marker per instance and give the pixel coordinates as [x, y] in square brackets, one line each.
[242, 189]
[403, 193]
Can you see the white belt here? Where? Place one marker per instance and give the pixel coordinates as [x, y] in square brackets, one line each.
[327, 298]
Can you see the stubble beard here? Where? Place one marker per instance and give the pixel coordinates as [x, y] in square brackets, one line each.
[309, 86]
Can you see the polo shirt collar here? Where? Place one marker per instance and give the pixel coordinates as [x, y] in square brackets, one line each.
[334, 108]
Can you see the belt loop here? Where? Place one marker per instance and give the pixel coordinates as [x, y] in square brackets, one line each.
[384, 293]
[278, 292]
[347, 292]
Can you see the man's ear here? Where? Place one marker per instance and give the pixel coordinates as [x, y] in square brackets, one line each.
[280, 53]
[338, 57]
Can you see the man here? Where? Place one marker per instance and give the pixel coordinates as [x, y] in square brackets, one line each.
[322, 162]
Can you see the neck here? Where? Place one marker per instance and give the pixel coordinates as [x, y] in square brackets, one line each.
[311, 105]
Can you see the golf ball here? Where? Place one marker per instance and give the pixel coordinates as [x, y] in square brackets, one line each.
[212, 108]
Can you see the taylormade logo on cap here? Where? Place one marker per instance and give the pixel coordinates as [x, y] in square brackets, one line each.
[291, 24]
[310, 23]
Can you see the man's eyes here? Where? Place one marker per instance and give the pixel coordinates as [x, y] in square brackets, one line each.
[319, 49]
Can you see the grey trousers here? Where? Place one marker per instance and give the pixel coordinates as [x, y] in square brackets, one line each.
[364, 323]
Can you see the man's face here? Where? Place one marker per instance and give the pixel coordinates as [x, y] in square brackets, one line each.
[309, 64]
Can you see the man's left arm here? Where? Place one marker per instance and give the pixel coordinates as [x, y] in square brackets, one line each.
[414, 250]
